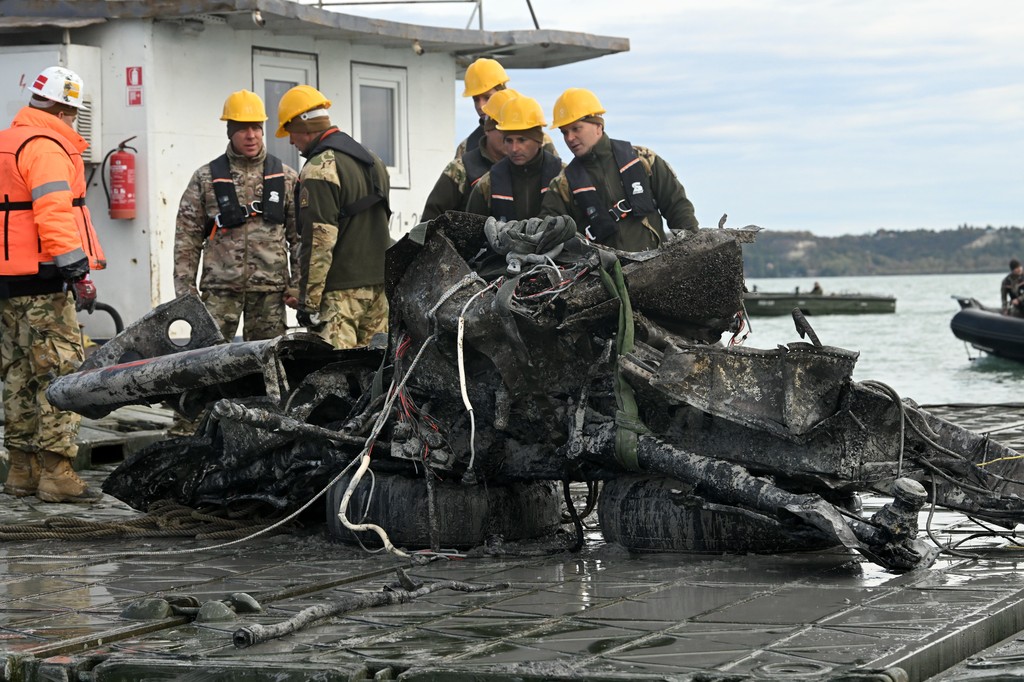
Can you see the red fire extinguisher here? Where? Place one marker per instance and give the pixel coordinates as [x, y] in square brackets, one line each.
[121, 195]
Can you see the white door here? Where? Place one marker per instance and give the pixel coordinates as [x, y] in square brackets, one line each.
[273, 74]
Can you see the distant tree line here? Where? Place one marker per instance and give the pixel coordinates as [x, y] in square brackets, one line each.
[966, 249]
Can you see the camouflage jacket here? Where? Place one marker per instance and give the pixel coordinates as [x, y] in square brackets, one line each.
[451, 191]
[256, 256]
[1010, 287]
[633, 234]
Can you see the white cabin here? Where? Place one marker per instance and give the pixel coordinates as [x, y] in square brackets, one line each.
[157, 73]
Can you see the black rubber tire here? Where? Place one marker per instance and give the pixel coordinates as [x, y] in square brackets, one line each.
[467, 515]
[648, 514]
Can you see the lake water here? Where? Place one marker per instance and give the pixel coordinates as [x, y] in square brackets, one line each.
[914, 350]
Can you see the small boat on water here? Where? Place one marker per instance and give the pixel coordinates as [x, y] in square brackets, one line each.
[782, 303]
[988, 330]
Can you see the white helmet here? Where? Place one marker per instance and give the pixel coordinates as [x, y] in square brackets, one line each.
[60, 85]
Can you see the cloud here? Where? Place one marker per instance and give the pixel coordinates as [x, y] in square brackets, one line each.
[824, 115]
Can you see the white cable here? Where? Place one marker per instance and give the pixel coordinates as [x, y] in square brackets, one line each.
[393, 394]
[462, 376]
[364, 464]
[174, 552]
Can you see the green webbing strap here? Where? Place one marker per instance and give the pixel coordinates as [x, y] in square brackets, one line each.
[627, 416]
[377, 386]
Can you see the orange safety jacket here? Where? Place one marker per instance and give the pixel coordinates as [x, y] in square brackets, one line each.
[44, 222]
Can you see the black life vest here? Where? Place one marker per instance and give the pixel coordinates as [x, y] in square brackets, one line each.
[473, 140]
[502, 201]
[639, 201]
[232, 213]
[343, 142]
[476, 166]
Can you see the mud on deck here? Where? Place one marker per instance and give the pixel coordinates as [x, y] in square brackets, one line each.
[597, 615]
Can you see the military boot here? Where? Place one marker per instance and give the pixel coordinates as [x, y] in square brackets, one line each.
[23, 476]
[58, 482]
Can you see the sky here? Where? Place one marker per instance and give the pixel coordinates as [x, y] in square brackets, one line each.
[830, 116]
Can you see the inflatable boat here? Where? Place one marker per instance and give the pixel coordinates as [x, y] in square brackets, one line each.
[988, 330]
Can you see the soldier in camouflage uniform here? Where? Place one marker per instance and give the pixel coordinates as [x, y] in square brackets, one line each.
[484, 78]
[452, 189]
[50, 248]
[616, 192]
[238, 213]
[1010, 289]
[343, 216]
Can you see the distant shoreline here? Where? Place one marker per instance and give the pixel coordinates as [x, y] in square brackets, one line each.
[965, 251]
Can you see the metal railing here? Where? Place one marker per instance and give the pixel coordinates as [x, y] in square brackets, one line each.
[478, 7]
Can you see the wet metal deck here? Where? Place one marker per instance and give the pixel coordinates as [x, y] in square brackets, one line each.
[598, 615]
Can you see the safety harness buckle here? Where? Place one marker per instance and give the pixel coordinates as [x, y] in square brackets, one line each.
[620, 210]
[252, 210]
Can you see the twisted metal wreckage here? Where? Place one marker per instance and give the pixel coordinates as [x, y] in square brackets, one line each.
[585, 367]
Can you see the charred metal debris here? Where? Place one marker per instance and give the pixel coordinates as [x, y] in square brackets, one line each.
[495, 385]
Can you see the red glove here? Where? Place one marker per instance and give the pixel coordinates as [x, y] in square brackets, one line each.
[84, 292]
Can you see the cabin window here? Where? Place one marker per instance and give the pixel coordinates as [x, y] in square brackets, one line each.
[275, 72]
[379, 117]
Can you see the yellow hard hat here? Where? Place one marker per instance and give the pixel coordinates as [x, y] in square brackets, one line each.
[497, 101]
[298, 100]
[482, 75]
[574, 104]
[521, 113]
[244, 106]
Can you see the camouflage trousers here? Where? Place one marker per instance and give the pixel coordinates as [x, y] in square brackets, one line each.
[39, 341]
[351, 317]
[264, 312]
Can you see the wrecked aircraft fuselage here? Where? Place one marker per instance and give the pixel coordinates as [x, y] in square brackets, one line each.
[587, 367]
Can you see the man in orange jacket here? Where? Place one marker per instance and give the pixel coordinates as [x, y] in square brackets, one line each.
[46, 254]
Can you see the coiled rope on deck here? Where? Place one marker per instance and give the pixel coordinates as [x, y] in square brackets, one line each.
[164, 519]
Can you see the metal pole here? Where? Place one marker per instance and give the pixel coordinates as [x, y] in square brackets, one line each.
[533, 14]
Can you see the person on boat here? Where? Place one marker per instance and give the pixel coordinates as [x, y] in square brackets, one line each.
[817, 290]
[1009, 290]
[616, 192]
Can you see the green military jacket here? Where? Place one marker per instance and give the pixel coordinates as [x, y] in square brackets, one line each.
[257, 256]
[633, 234]
[339, 253]
[451, 191]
